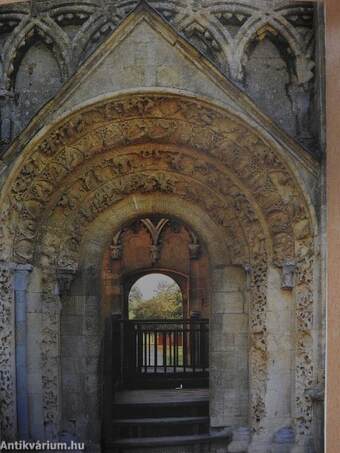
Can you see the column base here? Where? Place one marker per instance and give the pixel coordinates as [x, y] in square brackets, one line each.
[241, 440]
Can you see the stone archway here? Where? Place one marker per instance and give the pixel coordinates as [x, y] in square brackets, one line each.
[85, 168]
[85, 292]
[151, 245]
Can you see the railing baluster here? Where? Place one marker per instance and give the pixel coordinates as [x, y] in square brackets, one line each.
[145, 341]
[164, 351]
[185, 348]
[148, 348]
[176, 349]
[140, 350]
[193, 344]
[155, 352]
[169, 348]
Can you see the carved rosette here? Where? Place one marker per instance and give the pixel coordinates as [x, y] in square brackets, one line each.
[7, 356]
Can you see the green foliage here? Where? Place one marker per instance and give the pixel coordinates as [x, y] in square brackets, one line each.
[165, 304]
[135, 299]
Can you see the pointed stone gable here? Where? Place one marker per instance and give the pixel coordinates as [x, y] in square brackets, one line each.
[143, 53]
[146, 54]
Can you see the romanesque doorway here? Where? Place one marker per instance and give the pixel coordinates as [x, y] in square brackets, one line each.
[240, 227]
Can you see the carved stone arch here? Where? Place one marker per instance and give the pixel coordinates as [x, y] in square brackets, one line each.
[50, 34]
[268, 182]
[142, 205]
[213, 40]
[302, 50]
[90, 258]
[224, 40]
[73, 225]
[91, 33]
[92, 181]
[258, 24]
[224, 146]
[64, 14]
[10, 19]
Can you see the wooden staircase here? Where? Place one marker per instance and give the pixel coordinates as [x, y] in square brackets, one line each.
[160, 420]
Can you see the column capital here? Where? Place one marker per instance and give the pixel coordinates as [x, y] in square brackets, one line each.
[65, 278]
[288, 275]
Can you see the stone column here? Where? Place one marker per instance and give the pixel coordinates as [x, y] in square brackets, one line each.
[195, 302]
[229, 384]
[279, 312]
[21, 278]
[280, 315]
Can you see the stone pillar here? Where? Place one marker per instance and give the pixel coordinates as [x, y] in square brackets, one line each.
[229, 384]
[21, 279]
[279, 376]
[195, 290]
[34, 355]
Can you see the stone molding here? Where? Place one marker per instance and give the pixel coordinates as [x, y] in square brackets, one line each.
[200, 24]
[157, 23]
[151, 144]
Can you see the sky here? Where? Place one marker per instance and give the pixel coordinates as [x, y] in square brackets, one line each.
[149, 283]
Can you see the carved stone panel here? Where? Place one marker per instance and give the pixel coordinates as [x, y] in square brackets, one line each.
[7, 355]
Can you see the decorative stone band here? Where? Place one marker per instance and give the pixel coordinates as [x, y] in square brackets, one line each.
[8, 420]
[21, 281]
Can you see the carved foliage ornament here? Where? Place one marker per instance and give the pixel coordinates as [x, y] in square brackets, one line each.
[7, 373]
[259, 189]
[232, 143]
[71, 225]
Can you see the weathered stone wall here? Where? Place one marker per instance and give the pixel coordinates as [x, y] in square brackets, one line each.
[91, 165]
[266, 48]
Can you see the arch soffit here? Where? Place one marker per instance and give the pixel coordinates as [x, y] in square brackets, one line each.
[142, 119]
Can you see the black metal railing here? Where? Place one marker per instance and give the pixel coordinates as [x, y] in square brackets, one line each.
[159, 349]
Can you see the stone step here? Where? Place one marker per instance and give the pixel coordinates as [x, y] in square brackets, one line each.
[151, 442]
[161, 409]
[160, 421]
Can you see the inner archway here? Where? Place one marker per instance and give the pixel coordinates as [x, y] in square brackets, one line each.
[155, 296]
[155, 282]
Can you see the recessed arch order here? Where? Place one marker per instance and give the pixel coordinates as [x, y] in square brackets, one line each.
[168, 146]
